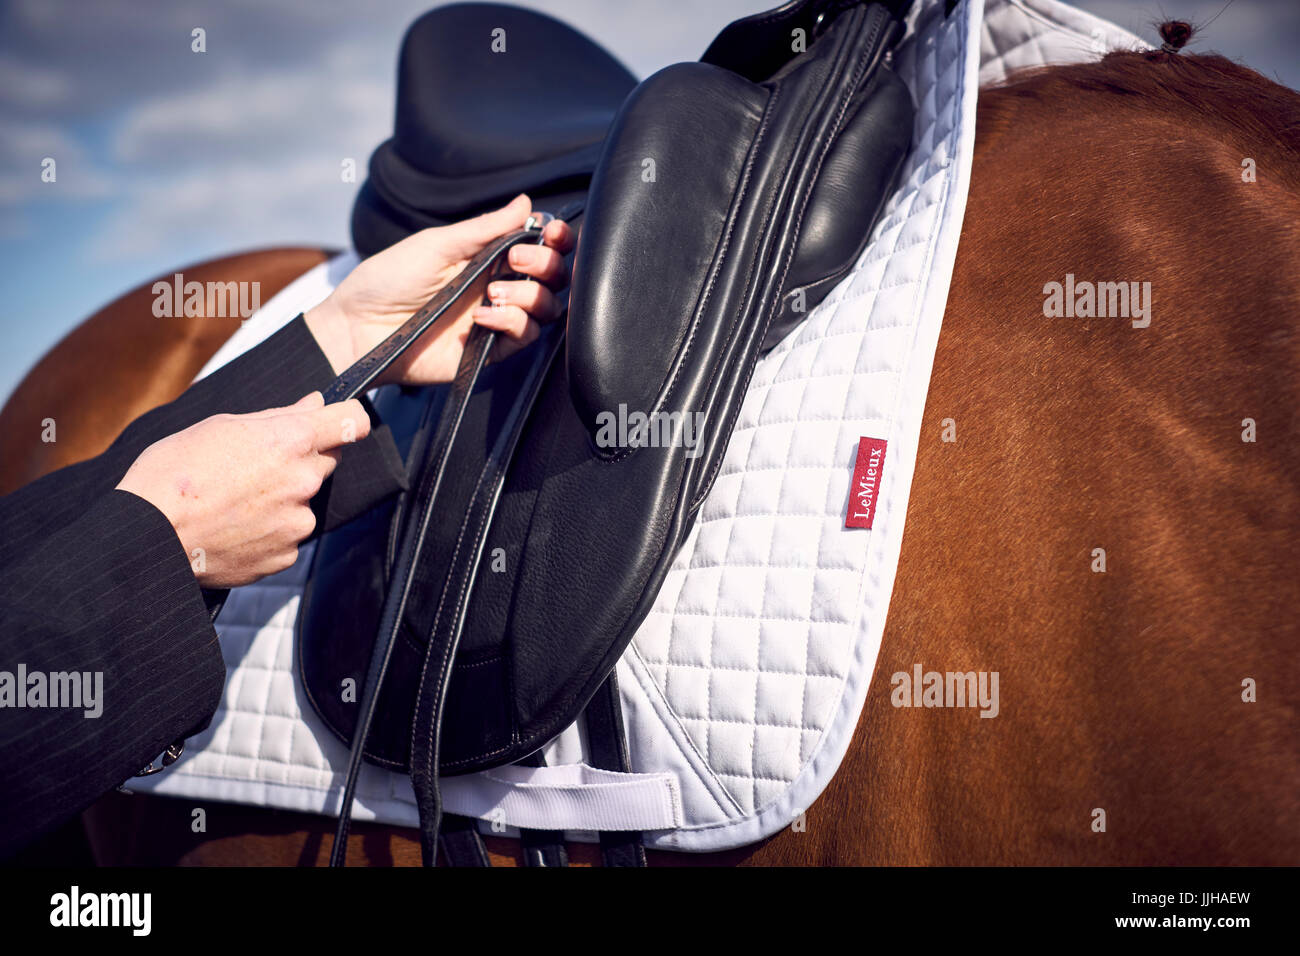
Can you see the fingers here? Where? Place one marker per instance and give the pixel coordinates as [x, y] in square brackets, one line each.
[559, 236]
[531, 297]
[339, 424]
[308, 402]
[541, 263]
[513, 322]
[463, 239]
[327, 461]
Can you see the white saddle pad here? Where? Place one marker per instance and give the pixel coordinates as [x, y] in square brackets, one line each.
[742, 689]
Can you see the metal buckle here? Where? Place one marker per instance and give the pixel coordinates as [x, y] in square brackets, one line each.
[169, 757]
[538, 220]
[817, 25]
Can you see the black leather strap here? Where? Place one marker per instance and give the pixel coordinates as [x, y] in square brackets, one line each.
[542, 847]
[353, 382]
[359, 376]
[477, 346]
[462, 846]
[350, 384]
[607, 748]
[445, 630]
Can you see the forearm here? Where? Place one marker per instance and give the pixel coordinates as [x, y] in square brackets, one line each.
[104, 623]
[281, 370]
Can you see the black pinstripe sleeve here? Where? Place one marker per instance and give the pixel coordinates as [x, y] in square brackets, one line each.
[94, 581]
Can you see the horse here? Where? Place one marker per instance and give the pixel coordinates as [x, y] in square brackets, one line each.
[1151, 708]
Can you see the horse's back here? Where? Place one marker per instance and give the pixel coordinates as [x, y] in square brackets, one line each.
[123, 361]
[1103, 511]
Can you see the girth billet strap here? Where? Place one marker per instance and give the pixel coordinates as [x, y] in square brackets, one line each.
[461, 844]
[607, 750]
[542, 847]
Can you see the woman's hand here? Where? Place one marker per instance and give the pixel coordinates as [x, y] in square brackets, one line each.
[383, 291]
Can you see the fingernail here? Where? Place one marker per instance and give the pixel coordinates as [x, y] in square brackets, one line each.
[521, 256]
[496, 293]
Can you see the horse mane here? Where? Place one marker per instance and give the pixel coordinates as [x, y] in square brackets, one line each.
[1243, 108]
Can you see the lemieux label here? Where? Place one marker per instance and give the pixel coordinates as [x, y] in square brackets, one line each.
[866, 483]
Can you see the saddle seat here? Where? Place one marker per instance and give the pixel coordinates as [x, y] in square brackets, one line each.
[524, 108]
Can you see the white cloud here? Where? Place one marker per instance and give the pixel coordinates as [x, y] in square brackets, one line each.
[23, 147]
[243, 114]
[235, 207]
[32, 85]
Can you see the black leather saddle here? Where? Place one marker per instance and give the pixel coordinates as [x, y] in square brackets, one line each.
[486, 608]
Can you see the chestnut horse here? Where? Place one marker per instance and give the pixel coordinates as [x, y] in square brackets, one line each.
[1150, 710]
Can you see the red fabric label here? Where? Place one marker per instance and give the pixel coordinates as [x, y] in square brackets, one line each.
[866, 483]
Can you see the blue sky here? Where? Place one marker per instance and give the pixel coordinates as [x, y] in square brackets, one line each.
[168, 157]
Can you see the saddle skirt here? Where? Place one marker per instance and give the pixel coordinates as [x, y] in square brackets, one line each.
[742, 688]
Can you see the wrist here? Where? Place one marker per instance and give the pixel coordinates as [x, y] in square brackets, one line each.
[173, 508]
[329, 327]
